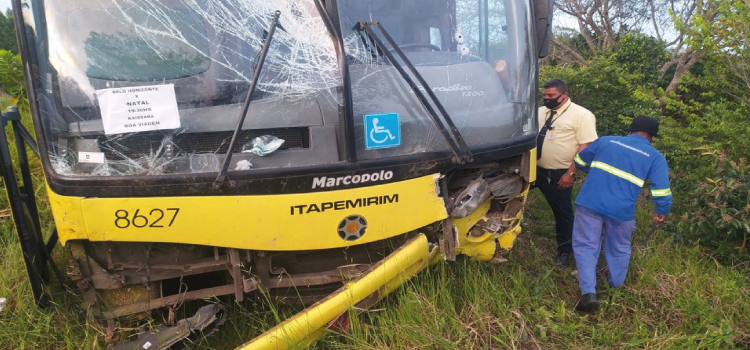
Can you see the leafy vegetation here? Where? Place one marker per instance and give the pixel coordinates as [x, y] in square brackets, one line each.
[11, 77]
[8, 32]
[717, 215]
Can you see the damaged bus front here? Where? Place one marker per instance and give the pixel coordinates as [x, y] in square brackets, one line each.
[319, 151]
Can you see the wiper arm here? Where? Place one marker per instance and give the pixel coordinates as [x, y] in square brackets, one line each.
[451, 134]
[222, 177]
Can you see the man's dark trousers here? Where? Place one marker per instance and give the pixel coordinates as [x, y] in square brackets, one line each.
[561, 204]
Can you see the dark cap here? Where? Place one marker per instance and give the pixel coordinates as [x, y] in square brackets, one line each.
[645, 124]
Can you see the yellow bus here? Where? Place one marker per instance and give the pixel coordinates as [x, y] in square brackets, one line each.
[320, 152]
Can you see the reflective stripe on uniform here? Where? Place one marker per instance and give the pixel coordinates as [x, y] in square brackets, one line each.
[580, 161]
[661, 193]
[617, 172]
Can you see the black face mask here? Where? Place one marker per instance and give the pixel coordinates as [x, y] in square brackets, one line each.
[551, 103]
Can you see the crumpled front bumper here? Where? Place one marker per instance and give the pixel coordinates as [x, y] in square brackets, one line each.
[387, 275]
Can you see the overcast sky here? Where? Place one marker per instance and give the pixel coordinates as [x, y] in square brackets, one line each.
[4, 5]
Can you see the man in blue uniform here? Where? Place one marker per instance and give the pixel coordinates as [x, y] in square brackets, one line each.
[617, 167]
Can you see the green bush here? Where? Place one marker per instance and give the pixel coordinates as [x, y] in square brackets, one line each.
[704, 137]
[8, 32]
[607, 90]
[11, 77]
[642, 55]
[716, 214]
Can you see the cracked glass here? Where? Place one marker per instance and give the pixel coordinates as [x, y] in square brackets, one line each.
[136, 87]
[156, 87]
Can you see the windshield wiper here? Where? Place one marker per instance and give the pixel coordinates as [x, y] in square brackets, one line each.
[460, 149]
[222, 177]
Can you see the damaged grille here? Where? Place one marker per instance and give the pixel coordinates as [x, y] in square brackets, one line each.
[134, 146]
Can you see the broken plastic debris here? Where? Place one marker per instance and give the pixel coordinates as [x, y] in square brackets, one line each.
[470, 198]
[205, 321]
[243, 165]
[262, 145]
[506, 187]
[2, 303]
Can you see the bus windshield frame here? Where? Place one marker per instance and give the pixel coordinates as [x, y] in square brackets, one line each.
[133, 89]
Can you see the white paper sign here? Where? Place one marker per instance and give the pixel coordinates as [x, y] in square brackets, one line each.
[138, 108]
[91, 157]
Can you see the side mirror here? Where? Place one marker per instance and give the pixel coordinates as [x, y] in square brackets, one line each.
[543, 10]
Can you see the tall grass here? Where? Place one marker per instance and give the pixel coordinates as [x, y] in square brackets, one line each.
[674, 298]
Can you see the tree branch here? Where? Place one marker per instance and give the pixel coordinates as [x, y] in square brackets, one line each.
[570, 52]
[653, 18]
[687, 60]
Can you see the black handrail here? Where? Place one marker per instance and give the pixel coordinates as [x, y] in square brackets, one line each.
[22, 200]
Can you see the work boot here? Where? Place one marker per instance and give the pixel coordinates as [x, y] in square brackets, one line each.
[563, 259]
[588, 303]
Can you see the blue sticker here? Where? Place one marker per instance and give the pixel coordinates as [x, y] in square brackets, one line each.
[382, 131]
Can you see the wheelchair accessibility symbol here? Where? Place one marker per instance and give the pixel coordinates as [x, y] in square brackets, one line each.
[382, 131]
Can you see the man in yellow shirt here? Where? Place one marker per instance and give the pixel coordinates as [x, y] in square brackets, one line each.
[565, 129]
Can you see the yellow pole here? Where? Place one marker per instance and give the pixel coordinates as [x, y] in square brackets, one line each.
[390, 272]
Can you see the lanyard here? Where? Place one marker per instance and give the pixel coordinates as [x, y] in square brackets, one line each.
[548, 123]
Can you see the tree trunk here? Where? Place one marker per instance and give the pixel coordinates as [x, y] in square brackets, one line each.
[686, 61]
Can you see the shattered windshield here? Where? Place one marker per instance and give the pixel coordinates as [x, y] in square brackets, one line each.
[150, 87]
[162, 57]
[137, 87]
